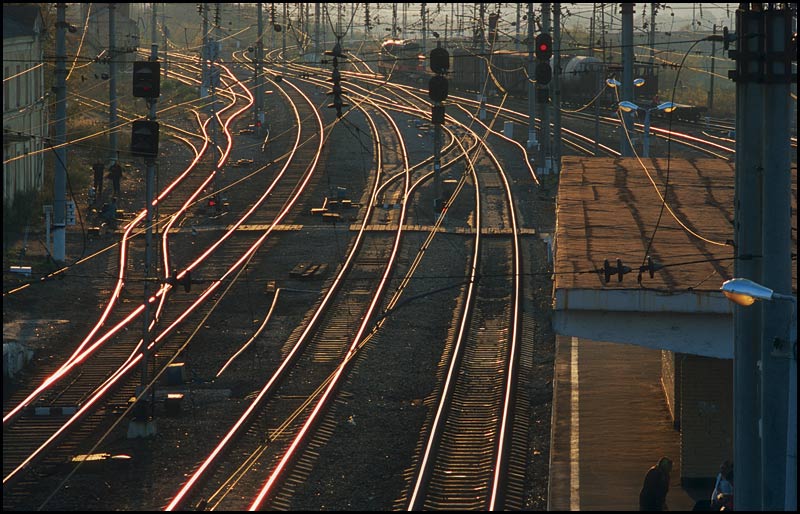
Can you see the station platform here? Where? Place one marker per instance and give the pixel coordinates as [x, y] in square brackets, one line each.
[610, 424]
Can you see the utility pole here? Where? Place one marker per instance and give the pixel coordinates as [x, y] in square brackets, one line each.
[214, 77]
[272, 26]
[483, 64]
[317, 41]
[652, 34]
[437, 91]
[547, 152]
[283, 32]
[592, 30]
[776, 263]
[366, 22]
[205, 53]
[164, 31]
[516, 38]
[532, 143]
[603, 29]
[748, 214]
[557, 88]
[713, 57]
[424, 25]
[394, 20]
[60, 184]
[153, 25]
[627, 78]
[259, 104]
[147, 425]
[112, 82]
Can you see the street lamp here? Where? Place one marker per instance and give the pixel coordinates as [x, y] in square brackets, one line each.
[626, 146]
[627, 106]
[745, 292]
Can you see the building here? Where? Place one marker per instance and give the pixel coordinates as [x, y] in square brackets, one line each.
[608, 209]
[25, 118]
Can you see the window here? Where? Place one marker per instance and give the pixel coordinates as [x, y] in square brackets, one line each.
[6, 97]
[18, 85]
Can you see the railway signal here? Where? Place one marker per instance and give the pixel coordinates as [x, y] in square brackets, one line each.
[144, 139]
[437, 91]
[438, 88]
[147, 79]
[543, 73]
[336, 78]
[544, 46]
[440, 60]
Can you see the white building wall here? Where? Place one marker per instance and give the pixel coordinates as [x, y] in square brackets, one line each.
[24, 116]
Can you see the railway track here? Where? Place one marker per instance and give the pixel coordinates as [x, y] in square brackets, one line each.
[337, 342]
[96, 372]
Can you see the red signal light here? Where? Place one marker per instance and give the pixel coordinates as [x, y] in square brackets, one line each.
[544, 43]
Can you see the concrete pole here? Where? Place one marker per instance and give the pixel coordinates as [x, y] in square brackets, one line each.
[283, 32]
[547, 152]
[646, 136]
[532, 143]
[259, 104]
[206, 64]
[592, 30]
[627, 77]
[307, 28]
[483, 64]
[599, 74]
[60, 183]
[516, 38]
[776, 262]
[165, 64]
[317, 41]
[747, 238]
[272, 26]
[153, 27]
[603, 29]
[112, 82]
[394, 20]
[424, 17]
[652, 34]
[556, 85]
[711, 86]
[149, 405]
[437, 177]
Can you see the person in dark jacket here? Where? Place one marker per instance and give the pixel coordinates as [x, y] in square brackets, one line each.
[115, 174]
[656, 485]
[98, 180]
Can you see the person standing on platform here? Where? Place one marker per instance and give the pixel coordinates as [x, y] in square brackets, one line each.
[115, 174]
[723, 489]
[98, 180]
[656, 485]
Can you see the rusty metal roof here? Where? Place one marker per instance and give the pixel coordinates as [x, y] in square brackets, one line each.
[608, 209]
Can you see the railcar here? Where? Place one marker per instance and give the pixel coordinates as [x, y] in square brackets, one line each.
[582, 78]
[401, 58]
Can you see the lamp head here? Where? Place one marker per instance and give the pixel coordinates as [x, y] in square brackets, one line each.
[613, 83]
[627, 106]
[667, 107]
[744, 291]
[638, 82]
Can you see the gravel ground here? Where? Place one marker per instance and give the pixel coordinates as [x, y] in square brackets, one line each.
[385, 405]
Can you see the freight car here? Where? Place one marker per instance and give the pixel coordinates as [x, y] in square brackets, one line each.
[582, 78]
[401, 58]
